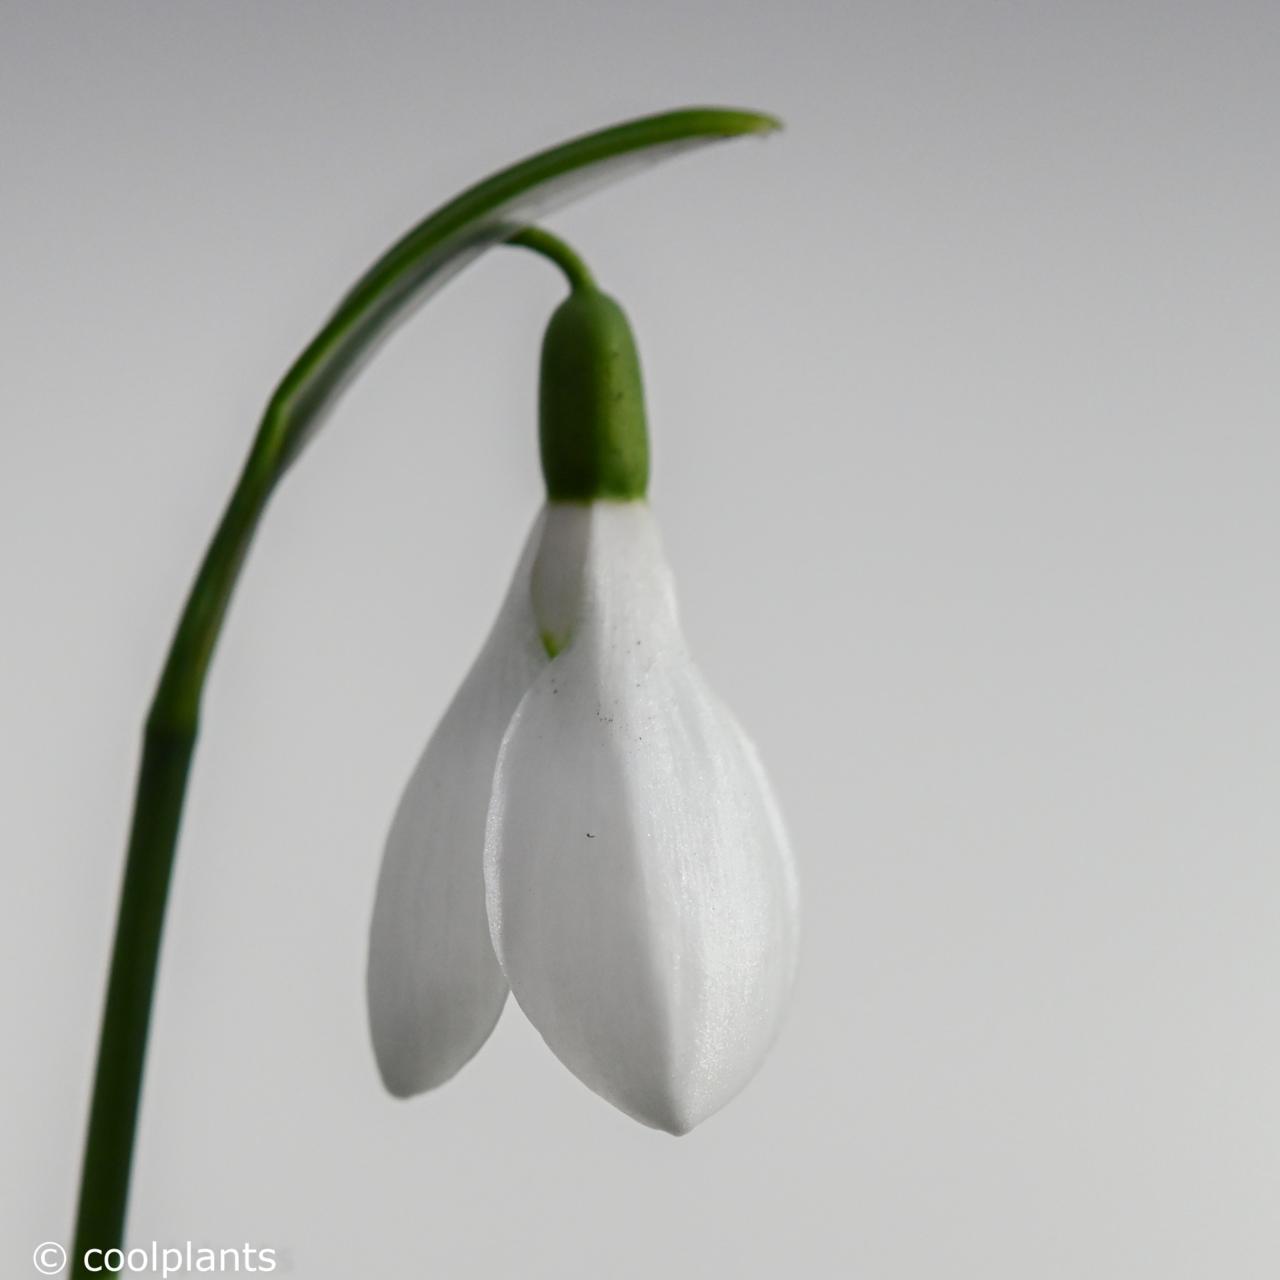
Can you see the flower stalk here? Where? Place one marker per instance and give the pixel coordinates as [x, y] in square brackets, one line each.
[404, 277]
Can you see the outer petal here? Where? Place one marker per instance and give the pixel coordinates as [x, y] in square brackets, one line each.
[641, 892]
[434, 986]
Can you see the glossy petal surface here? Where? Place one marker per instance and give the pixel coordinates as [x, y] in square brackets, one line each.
[641, 892]
[434, 986]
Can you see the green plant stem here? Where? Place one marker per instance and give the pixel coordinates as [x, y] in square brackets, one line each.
[168, 744]
[113, 1116]
[576, 272]
[409, 272]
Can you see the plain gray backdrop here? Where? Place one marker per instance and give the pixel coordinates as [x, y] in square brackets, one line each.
[964, 399]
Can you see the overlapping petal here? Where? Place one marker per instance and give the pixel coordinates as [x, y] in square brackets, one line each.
[641, 894]
[435, 989]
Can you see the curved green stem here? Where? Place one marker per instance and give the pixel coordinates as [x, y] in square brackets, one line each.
[409, 272]
[555, 250]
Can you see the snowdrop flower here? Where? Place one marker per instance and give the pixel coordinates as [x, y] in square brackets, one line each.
[589, 826]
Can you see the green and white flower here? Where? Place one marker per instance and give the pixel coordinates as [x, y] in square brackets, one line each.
[589, 826]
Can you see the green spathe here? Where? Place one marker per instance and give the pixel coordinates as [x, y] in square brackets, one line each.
[591, 420]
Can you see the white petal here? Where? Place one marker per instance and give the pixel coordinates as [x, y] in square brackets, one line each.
[641, 891]
[434, 986]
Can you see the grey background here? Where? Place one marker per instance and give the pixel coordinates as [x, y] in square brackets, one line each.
[964, 397]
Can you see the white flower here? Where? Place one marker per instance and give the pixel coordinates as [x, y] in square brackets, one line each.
[600, 816]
